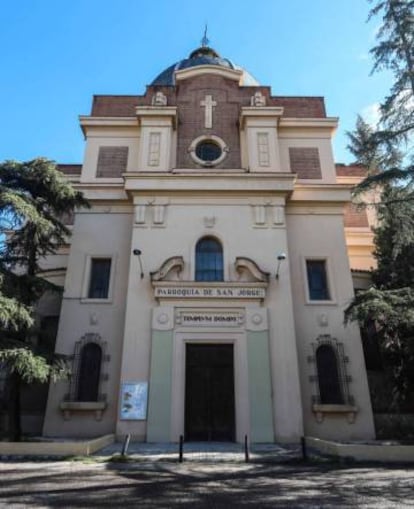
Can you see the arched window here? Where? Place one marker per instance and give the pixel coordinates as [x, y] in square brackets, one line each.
[209, 260]
[330, 391]
[89, 372]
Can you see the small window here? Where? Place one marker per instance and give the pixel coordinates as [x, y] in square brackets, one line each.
[89, 372]
[328, 376]
[209, 260]
[317, 280]
[100, 272]
[208, 150]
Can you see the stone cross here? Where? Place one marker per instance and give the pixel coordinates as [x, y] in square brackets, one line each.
[208, 104]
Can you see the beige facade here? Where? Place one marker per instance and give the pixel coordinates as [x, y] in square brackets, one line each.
[211, 272]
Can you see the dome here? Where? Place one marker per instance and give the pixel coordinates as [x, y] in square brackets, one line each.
[202, 56]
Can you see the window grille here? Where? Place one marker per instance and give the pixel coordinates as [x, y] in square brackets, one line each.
[87, 377]
[329, 378]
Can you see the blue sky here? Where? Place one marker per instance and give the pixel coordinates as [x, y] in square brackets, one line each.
[57, 54]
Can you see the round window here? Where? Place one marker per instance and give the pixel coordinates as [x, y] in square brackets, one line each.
[208, 150]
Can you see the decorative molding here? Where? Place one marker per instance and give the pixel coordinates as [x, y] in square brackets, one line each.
[209, 221]
[208, 104]
[241, 264]
[163, 318]
[256, 319]
[323, 320]
[154, 149]
[278, 215]
[263, 152]
[259, 214]
[173, 263]
[159, 214]
[321, 410]
[140, 214]
[258, 99]
[159, 99]
[68, 407]
[217, 140]
[93, 319]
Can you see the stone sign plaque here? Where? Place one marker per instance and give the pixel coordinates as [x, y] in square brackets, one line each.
[210, 318]
[214, 292]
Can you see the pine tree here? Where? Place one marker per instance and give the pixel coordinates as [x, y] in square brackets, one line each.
[394, 52]
[390, 301]
[34, 198]
[385, 152]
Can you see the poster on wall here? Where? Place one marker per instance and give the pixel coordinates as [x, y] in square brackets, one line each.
[134, 397]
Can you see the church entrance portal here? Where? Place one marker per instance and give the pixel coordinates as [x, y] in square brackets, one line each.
[209, 393]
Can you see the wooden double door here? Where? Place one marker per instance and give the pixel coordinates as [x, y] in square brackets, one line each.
[209, 393]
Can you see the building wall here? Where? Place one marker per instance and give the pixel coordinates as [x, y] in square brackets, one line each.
[314, 319]
[261, 201]
[96, 232]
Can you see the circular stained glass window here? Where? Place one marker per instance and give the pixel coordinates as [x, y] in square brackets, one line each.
[208, 150]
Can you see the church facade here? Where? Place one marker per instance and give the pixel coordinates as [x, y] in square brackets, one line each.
[204, 289]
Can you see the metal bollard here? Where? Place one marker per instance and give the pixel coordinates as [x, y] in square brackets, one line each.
[304, 451]
[126, 445]
[246, 449]
[180, 449]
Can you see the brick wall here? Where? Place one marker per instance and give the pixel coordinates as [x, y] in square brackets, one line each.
[350, 170]
[112, 161]
[305, 162]
[70, 169]
[191, 116]
[300, 107]
[124, 105]
[355, 217]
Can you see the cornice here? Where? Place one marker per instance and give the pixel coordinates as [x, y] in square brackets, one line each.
[327, 122]
[166, 114]
[337, 193]
[210, 182]
[262, 112]
[191, 72]
[88, 122]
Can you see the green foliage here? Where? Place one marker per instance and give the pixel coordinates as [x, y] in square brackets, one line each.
[34, 198]
[385, 149]
[367, 152]
[394, 52]
[32, 367]
[394, 239]
[12, 314]
[385, 152]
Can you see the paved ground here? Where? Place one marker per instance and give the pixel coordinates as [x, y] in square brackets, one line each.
[203, 485]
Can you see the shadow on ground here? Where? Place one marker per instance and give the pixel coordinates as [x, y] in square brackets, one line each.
[203, 485]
